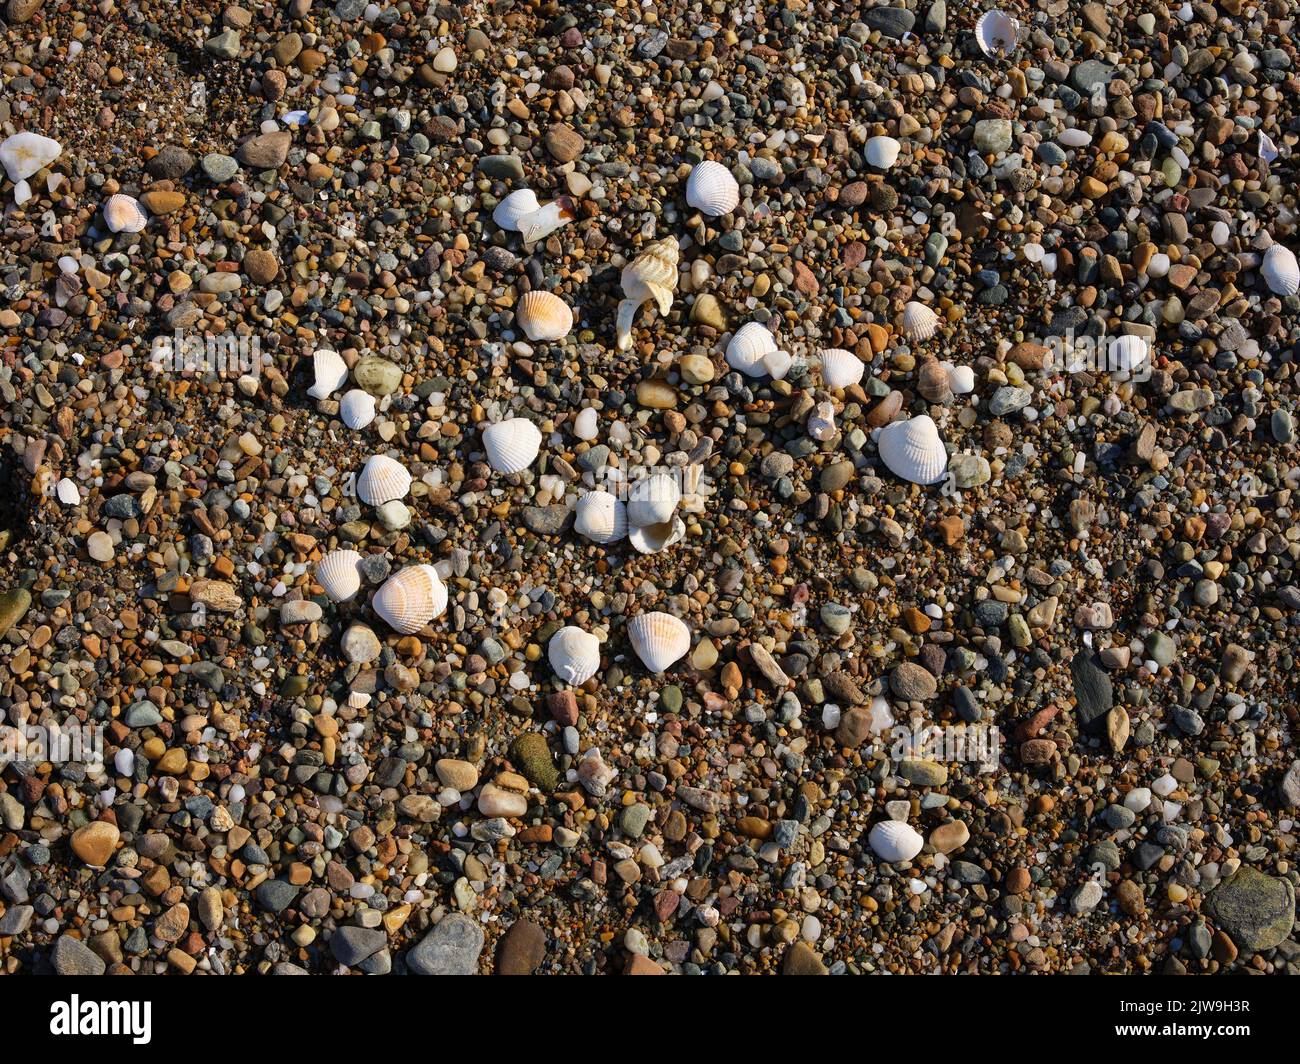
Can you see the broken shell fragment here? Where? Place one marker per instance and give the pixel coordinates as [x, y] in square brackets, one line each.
[651, 539]
[821, 423]
[653, 499]
[542, 222]
[25, 154]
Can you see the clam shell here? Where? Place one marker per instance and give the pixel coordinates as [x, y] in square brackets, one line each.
[748, 346]
[894, 841]
[122, 214]
[382, 480]
[919, 321]
[542, 222]
[997, 33]
[330, 372]
[517, 205]
[511, 445]
[25, 154]
[1127, 353]
[574, 655]
[840, 368]
[600, 517]
[882, 152]
[357, 408]
[652, 500]
[659, 639]
[543, 316]
[961, 379]
[651, 539]
[712, 190]
[913, 450]
[411, 598]
[1280, 271]
[339, 573]
[652, 275]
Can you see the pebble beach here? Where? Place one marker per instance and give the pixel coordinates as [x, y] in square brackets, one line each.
[678, 488]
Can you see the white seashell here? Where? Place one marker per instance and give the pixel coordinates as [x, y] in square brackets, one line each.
[68, 492]
[961, 379]
[821, 423]
[913, 450]
[330, 371]
[1074, 138]
[659, 639]
[382, 479]
[748, 346]
[511, 445]
[1280, 270]
[777, 364]
[997, 33]
[1267, 149]
[894, 841]
[882, 152]
[652, 275]
[411, 598]
[712, 189]
[542, 222]
[358, 700]
[122, 214]
[357, 408]
[840, 368]
[24, 154]
[574, 655]
[600, 517]
[919, 321]
[651, 539]
[652, 500]
[1127, 353]
[339, 573]
[515, 206]
[586, 424]
[543, 316]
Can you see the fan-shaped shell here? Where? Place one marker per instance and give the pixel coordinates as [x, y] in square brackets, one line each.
[712, 190]
[123, 214]
[961, 379]
[511, 445]
[357, 408]
[600, 517]
[411, 598]
[840, 368]
[913, 450]
[651, 539]
[653, 499]
[882, 152]
[659, 639]
[748, 346]
[893, 841]
[574, 655]
[517, 205]
[382, 480]
[652, 275]
[919, 321]
[330, 373]
[1281, 271]
[543, 316]
[997, 33]
[26, 154]
[339, 573]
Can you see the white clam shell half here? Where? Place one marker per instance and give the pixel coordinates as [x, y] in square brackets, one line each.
[574, 655]
[997, 33]
[511, 445]
[913, 450]
[894, 842]
[382, 479]
[601, 517]
[840, 368]
[517, 205]
[1280, 271]
[357, 408]
[712, 189]
[411, 598]
[339, 574]
[659, 639]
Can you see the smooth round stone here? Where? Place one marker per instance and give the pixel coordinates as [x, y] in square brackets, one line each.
[99, 545]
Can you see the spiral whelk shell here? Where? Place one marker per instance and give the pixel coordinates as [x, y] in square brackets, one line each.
[651, 276]
[919, 321]
[712, 189]
[997, 33]
[600, 517]
[893, 841]
[1280, 270]
[543, 316]
[357, 408]
[659, 639]
[382, 480]
[913, 450]
[511, 445]
[329, 371]
[123, 214]
[339, 574]
[574, 655]
[411, 598]
[840, 368]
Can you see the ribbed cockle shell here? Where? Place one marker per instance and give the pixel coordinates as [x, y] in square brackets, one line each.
[123, 214]
[339, 573]
[601, 517]
[517, 205]
[913, 450]
[330, 373]
[382, 479]
[749, 346]
[411, 598]
[1280, 270]
[357, 408]
[711, 189]
[511, 445]
[893, 841]
[659, 639]
[574, 655]
[919, 321]
[543, 316]
[840, 368]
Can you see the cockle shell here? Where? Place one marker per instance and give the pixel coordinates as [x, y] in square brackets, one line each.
[651, 539]
[382, 479]
[652, 275]
[411, 598]
[339, 573]
[357, 408]
[652, 500]
[997, 33]
[543, 316]
[712, 190]
[882, 152]
[821, 423]
[511, 445]
[1280, 270]
[542, 222]
[25, 154]
[1128, 353]
[919, 321]
[659, 639]
[574, 655]
[122, 214]
[330, 372]
[600, 517]
[840, 368]
[913, 450]
[894, 841]
[517, 205]
[748, 346]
